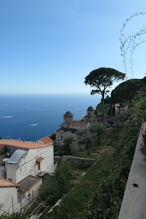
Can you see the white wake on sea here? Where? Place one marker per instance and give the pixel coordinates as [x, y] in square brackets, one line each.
[34, 124]
[6, 117]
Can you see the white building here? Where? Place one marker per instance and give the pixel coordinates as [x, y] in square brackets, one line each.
[23, 169]
[8, 196]
[28, 158]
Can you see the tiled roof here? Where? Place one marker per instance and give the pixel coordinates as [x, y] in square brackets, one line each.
[22, 144]
[68, 113]
[5, 182]
[46, 139]
[78, 123]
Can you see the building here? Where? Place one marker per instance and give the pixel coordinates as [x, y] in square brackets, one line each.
[45, 140]
[27, 158]
[22, 168]
[70, 126]
[8, 196]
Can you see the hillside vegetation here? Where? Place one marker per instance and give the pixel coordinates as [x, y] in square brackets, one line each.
[100, 191]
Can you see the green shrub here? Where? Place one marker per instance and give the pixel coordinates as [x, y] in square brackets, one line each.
[54, 186]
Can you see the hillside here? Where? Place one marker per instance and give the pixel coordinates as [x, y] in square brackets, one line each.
[97, 193]
[100, 191]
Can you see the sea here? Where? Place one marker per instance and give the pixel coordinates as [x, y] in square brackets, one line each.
[30, 117]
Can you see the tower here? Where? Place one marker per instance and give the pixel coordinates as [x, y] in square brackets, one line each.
[68, 118]
[91, 115]
[90, 111]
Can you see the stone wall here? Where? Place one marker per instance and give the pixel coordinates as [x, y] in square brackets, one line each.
[75, 159]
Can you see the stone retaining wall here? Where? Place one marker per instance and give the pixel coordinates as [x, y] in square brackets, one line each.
[75, 159]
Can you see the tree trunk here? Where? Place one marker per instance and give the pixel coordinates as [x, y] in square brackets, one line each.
[103, 112]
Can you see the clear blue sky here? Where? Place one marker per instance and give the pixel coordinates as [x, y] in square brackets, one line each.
[50, 46]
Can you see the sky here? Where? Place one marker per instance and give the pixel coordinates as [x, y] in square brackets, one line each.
[50, 46]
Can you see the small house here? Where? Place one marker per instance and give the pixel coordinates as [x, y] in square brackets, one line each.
[28, 158]
[8, 196]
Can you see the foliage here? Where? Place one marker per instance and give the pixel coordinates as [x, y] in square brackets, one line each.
[107, 206]
[13, 216]
[100, 191]
[126, 91]
[67, 144]
[76, 201]
[102, 79]
[2, 151]
[144, 81]
[64, 149]
[82, 144]
[87, 139]
[98, 129]
[54, 186]
[53, 136]
[81, 165]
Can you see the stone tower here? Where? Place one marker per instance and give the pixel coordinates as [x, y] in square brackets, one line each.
[90, 111]
[68, 118]
[91, 115]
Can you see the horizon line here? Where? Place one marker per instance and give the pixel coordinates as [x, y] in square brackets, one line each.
[44, 93]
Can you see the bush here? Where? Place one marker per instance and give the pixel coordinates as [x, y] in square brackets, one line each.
[64, 149]
[54, 186]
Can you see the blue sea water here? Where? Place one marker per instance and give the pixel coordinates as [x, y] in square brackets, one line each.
[30, 117]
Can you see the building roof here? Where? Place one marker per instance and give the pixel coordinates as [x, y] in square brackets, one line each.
[22, 144]
[90, 108]
[46, 140]
[16, 156]
[78, 123]
[28, 183]
[68, 113]
[7, 183]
